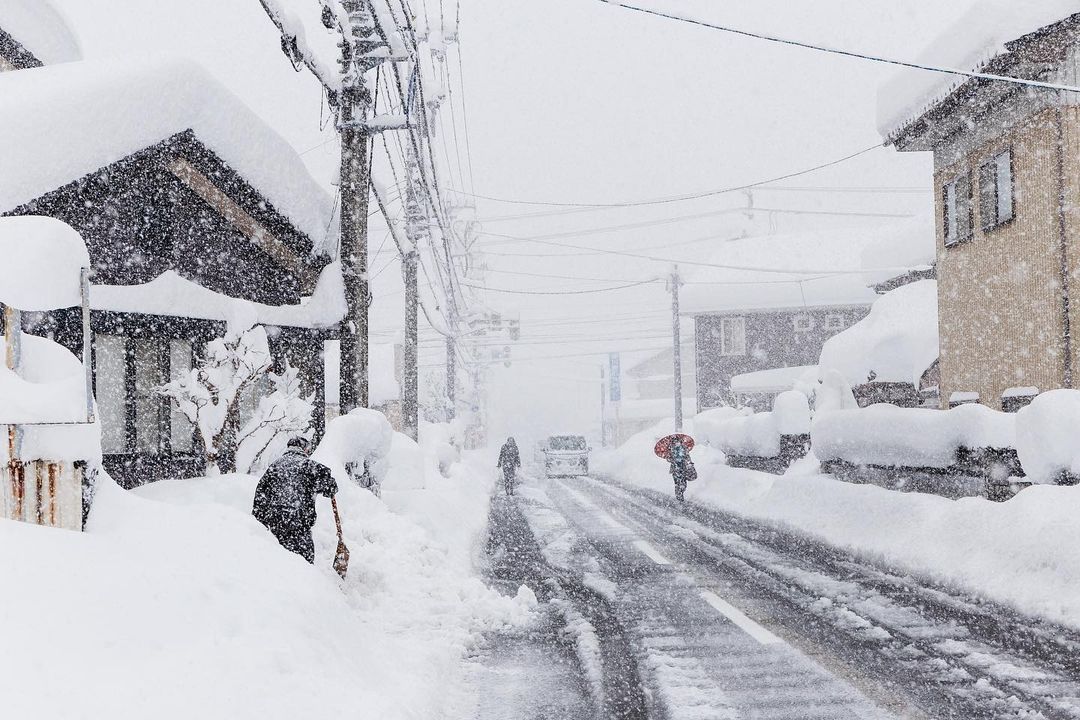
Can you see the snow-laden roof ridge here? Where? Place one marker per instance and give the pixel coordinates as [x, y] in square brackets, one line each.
[47, 116]
[968, 45]
[42, 29]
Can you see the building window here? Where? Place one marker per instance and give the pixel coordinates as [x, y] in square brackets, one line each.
[733, 336]
[181, 430]
[956, 201]
[803, 323]
[110, 391]
[834, 321]
[996, 192]
[148, 403]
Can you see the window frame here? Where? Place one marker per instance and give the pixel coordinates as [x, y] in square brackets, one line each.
[951, 212]
[740, 322]
[991, 170]
[807, 318]
[834, 321]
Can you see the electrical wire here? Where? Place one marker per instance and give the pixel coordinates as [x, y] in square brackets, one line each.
[562, 292]
[847, 53]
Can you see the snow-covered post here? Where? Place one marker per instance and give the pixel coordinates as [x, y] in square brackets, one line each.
[209, 394]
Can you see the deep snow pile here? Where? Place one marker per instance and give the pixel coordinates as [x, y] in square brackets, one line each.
[896, 343]
[1046, 436]
[909, 437]
[1025, 552]
[635, 457]
[759, 435]
[176, 603]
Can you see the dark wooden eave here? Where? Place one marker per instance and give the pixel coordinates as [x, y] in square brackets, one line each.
[15, 53]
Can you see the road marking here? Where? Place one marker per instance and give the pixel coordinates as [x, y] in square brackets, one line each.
[651, 552]
[737, 616]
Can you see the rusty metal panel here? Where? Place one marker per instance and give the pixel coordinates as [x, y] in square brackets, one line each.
[42, 493]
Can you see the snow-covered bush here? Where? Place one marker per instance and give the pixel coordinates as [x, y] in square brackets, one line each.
[891, 436]
[209, 394]
[1046, 437]
[356, 447]
[284, 413]
[834, 393]
[443, 441]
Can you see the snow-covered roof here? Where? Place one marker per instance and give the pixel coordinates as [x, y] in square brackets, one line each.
[771, 382]
[62, 122]
[172, 295]
[897, 341]
[40, 28]
[43, 263]
[972, 42]
[774, 272]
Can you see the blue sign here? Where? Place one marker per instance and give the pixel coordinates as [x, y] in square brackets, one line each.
[614, 377]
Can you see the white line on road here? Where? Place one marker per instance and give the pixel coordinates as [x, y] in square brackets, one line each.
[737, 616]
[651, 552]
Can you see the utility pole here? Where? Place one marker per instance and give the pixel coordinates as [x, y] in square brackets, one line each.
[674, 284]
[416, 229]
[451, 374]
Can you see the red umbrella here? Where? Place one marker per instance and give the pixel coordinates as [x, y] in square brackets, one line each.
[663, 445]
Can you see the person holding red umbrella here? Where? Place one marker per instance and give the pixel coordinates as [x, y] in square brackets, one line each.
[676, 450]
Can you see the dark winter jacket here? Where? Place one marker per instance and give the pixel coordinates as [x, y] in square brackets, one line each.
[286, 492]
[509, 457]
[680, 462]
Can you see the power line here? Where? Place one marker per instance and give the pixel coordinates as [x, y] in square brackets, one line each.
[681, 198]
[560, 292]
[845, 53]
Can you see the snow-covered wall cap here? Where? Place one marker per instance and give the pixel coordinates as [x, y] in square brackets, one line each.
[42, 263]
[896, 343]
[60, 123]
[40, 28]
[978, 37]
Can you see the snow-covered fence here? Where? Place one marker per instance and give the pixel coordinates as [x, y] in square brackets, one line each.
[356, 448]
[968, 450]
[768, 441]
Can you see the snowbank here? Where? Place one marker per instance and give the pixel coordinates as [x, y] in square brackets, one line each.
[635, 457]
[909, 437]
[896, 343]
[43, 263]
[47, 114]
[173, 295]
[1046, 436]
[40, 28]
[176, 604]
[979, 36]
[759, 435]
[363, 439]
[1025, 552]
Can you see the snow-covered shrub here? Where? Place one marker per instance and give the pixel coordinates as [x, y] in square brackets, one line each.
[282, 414]
[834, 393]
[356, 447]
[791, 413]
[891, 436]
[1046, 437]
[209, 394]
[759, 435]
[444, 442]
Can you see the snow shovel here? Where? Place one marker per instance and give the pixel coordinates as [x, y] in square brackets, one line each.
[341, 557]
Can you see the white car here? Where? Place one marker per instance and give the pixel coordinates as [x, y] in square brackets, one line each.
[566, 456]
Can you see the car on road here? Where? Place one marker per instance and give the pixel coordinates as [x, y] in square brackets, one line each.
[566, 456]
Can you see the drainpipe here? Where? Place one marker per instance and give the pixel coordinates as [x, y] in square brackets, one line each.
[1066, 325]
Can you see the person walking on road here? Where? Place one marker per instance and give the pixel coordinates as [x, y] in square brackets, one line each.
[682, 468]
[285, 497]
[509, 461]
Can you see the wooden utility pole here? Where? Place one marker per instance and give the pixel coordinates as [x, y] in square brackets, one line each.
[416, 229]
[674, 284]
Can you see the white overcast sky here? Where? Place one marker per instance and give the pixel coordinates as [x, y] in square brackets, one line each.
[579, 101]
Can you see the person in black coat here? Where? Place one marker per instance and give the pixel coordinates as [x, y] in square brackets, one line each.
[285, 497]
[509, 461]
[682, 468]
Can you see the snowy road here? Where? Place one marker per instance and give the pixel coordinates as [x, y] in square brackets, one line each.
[729, 618]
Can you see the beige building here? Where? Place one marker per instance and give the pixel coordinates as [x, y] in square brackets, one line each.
[1007, 180]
